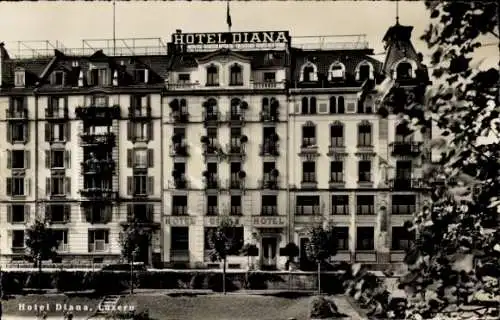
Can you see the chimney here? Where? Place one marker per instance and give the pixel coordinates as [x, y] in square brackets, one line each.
[4, 55]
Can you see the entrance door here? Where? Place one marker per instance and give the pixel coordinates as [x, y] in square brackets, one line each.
[269, 252]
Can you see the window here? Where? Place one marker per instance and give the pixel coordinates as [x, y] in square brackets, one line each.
[305, 105]
[337, 71]
[179, 205]
[235, 109]
[18, 239]
[20, 78]
[103, 183]
[212, 136]
[140, 158]
[58, 186]
[333, 105]
[62, 239]
[99, 77]
[98, 213]
[308, 135]
[365, 238]
[337, 171]
[340, 204]
[364, 171]
[337, 135]
[142, 131]
[308, 74]
[269, 205]
[56, 158]
[365, 205]
[18, 160]
[212, 205]
[16, 186]
[179, 238]
[402, 238]
[17, 213]
[208, 233]
[365, 135]
[308, 171]
[404, 204]
[404, 71]
[235, 234]
[312, 105]
[141, 75]
[58, 78]
[212, 76]
[269, 77]
[184, 78]
[140, 185]
[56, 132]
[403, 170]
[235, 205]
[236, 76]
[364, 72]
[307, 205]
[340, 105]
[403, 133]
[98, 240]
[342, 235]
[57, 213]
[17, 132]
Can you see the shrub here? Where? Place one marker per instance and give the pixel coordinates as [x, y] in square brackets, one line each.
[214, 283]
[197, 281]
[321, 308]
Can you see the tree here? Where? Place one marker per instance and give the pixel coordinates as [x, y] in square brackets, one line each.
[223, 242]
[41, 244]
[455, 259]
[134, 239]
[322, 245]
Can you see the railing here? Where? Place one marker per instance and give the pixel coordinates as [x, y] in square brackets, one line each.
[99, 247]
[183, 85]
[307, 210]
[179, 255]
[272, 184]
[235, 211]
[98, 112]
[269, 149]
[236, 149]
[335, 148]
[209, 117]
[236, 183]
[340, 209]
[179, 150]
[179, 210]
[16, 114]
[271, 210]
[365, 209]
[139, 112]
[98, 193]
[266, 116]
[401, 148]
[98, 166]
[403, 209]
[235, 119]
[87, 138]
[179, 117]
[406, 184]
[180, 183]
[61, 113]
[268, 85]
[212, 183]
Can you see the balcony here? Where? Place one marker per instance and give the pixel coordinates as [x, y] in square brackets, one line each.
[139, 112]
[16, 114]
[18, 250]
[336, 149]
[179, 210]
[237, 181]
[406, 184]
[309, 184]
[336, 181]
[97, 139]
[236, 211]
[99, 246]
[179, 181]
[406, 148]
[340, 209]
[99, 193]
[98, 113]
[179, 117]
[236, 150]
[145, 219]
[179, 255]
[179, 150]
[268, 85]
[266, 116]
[403, 209]
[271, 183]
[183, 86]
[236, 119]
[211, 119]
[309, 210]
[211, 182]
[94, 166]
[269, 149]
[269, 210]
[365, 149]
[56, 114]
[309, 147]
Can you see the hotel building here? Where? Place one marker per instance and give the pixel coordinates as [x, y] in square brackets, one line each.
[274, 134]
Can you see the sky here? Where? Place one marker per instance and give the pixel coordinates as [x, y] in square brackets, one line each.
[71, 22]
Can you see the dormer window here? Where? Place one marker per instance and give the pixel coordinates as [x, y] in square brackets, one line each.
[308, 73]
[58, 78]
[212, 76]
[236, 76]
[184, 78]
[405, 70]
[364, 71]
[141, 75]
[20, 78]
[99, 77]
[269, 77]
[336, 72]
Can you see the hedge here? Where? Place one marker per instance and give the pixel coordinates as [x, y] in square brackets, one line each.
[112, 282]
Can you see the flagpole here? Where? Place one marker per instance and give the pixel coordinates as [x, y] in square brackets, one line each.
[228, 18]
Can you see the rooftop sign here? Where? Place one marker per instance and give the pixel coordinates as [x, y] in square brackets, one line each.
[233, 40]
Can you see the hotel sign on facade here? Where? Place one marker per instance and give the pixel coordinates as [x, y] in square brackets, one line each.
[232, 40]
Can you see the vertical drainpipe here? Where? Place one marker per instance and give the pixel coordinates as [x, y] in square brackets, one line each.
[162, 194]
[35, 120]
[287, 146]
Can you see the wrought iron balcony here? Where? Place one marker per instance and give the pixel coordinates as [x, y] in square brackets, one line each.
[266, 116]
[309, 146]
[269, 210]
[179, 150]
[179, 181]
[179, 117]
[334, 149]
[98, 113]
[236, 150]
[406, 184]
[94, 139]
[145, 219]
[139, 112]
[55, 114]
[12, 114]
[307, 210]
[271, 183]
[98, 193]
[406, 148]
[235, 119]
[211, 119]
[237, 182]
[211, 182]
[98, 166]
[179, 210]
[269, 149]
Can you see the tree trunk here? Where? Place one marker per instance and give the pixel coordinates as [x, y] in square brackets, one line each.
[40, 274]
[319, 277]
[224, 276]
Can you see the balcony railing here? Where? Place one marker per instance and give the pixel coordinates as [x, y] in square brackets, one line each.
[94, 139]
[236, 149]
[212, 183]
[182, 85]
[406, 184]
[336, 149]
[99, 247]
[406, 148]
[98, 166]
[179, 150]
[309, 146]
[16, 114]
[269, 149]
[179, 210]
[63, 247]
[179, 117]
[336, 180]
[179, 255]
[271, 210]
[266, 116]
[340, 209]
[211, 118]
[403, 209]
[141, 218]
[269, 183]
[269, 85]
[56, 113]
[101, 113]
[180, 182]
[235, 119]
[212, 210]
[139, 112]
[236, 183]
[98, 193]
[235, 211]
[307, 210]
[365, 209]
